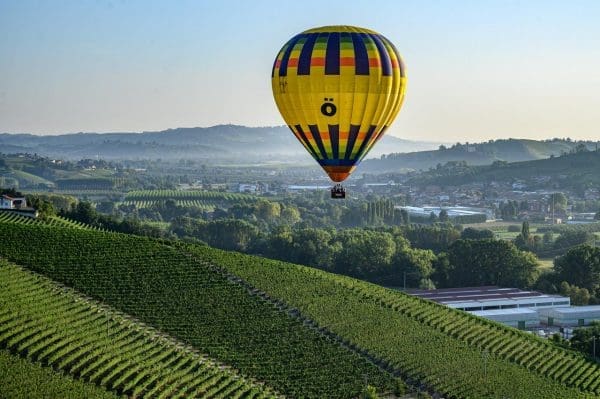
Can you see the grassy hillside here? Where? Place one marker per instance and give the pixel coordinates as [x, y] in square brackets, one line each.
[165, 287]
[305, 332]
[57, 328]
[511, 150]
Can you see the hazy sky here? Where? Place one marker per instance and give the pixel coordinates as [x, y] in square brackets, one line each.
[477, 69]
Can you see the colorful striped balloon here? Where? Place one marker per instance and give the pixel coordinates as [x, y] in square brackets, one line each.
[338, 89]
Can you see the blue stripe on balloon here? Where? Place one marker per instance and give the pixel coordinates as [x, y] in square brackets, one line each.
[306, 54]
[337, 162]
[352, 135]
[332, 54]
[286, 55]
[334, 138]
[386, 63]
[361, 57]
[314, 129]
[363, 145]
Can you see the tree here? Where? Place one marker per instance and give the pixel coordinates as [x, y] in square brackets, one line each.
[44, 207]
[364, 253]
[416, 263]
[525, 241]
[290, 215]
[432, 217]
[313, 247]
[557, 202]
[525, 230]
[580, 266]
[490, 262]
[597, 216]
[443, 216]
[579, 296]
[571, 238]
[267, 210]
[471, 233]
[583, 339]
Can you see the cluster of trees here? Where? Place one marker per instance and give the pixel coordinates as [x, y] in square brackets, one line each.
[576, 274]
[315, 210]
[412, 255]
[546, 245]
[84, 212]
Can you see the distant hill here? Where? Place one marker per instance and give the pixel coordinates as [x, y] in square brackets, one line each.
[222, 142]
[510, 150]
[575, 171]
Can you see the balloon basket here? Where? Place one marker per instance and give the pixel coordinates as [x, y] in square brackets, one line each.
[338, 192]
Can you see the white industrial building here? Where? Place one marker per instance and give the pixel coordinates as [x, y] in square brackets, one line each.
[519, 318]
[569, 317]
[510, 306]
[491, 298]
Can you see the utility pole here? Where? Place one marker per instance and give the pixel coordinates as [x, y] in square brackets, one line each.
[553, 209]
[404, 273]
[594, 346]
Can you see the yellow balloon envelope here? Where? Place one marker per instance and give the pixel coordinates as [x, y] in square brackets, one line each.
[338, 89]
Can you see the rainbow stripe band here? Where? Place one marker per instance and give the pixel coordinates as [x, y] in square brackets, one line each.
[355, 44]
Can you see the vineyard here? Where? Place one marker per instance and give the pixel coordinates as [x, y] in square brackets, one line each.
[204, 200]
[22, 379]
[304, 332]
[205, 205]
[180, 195]
[453, 352]
[57, 221]
[54, 326]
[168, 289]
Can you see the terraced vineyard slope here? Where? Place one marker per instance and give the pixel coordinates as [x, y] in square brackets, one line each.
[167, 288]
[206, 200]
[453, 352]
[22, 379]
[57, 327]
[13, 217]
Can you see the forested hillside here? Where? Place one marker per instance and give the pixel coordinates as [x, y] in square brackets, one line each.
[575, 171]
[511, 150]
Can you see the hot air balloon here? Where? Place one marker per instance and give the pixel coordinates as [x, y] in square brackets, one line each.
[338, 89]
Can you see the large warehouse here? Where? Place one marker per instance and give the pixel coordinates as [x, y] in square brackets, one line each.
[569, 317]
[491, 298]
[519, 318]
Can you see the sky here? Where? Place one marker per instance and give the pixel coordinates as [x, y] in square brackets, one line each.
[477, 70]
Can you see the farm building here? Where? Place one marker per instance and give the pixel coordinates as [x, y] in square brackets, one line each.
[491, 298]
[7, 202]
[570, 317]
[519, 318]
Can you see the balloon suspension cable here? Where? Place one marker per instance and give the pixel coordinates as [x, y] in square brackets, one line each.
[338, 192]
